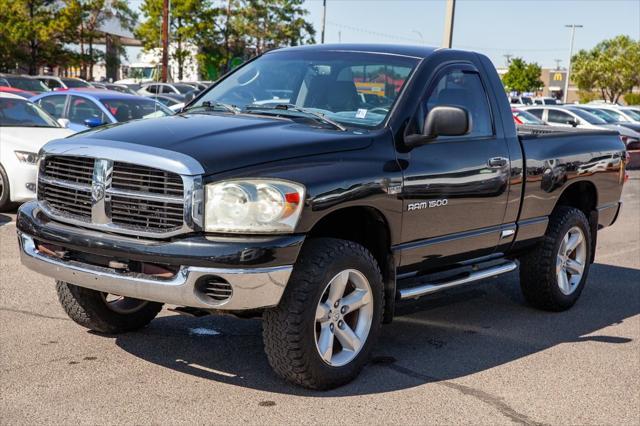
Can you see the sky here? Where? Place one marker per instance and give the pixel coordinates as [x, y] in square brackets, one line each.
[534, 30]
[531, 29]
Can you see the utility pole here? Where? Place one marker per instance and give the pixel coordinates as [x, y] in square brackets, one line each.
[165, 40]
[324, 19]
[448, 24]
[557, 61]
[508, 57]
[566, 81]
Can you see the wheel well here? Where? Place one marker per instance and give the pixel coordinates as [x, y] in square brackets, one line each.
[584, 197]
[581, 195]
[369, 228]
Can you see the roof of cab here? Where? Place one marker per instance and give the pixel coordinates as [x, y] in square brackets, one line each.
[390, 49]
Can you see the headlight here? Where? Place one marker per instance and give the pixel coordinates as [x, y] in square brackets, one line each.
[253, 206]
[27, 157]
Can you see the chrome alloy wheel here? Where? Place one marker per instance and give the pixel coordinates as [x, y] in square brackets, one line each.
[343, 317]
[123, 305]
[571, 260]
[1, 186]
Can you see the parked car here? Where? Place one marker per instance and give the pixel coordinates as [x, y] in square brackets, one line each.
[199, 85]
[568, 116]
[24, 129]
[319, 216]
[56, 83]
[521, 100]
[122, 88]
[630, 132]
[169, 99]
[521, 116]
[151, 89]
[622, 114]
[86, 108]
[22, 93]
[98, 85]
[22, 82]
[546, 101]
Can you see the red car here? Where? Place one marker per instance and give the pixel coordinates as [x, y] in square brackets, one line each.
[23, 93]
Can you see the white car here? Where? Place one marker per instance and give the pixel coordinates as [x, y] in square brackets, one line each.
[24, 129]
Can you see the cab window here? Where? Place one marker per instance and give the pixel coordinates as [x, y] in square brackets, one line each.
[461, 89]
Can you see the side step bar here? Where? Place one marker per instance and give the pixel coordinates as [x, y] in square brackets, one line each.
[428, 288]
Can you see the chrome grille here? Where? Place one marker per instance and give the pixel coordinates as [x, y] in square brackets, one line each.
[72, 169]
[131, 177]
[137, 213]
[67, 201]
[112, 195]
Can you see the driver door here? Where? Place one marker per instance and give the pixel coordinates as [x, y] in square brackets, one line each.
[455, 188]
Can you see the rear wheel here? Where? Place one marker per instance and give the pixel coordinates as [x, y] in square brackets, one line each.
[553, 275]
[104, 312]
[322, 332]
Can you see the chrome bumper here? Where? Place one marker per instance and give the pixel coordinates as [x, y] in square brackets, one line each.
[251, 288]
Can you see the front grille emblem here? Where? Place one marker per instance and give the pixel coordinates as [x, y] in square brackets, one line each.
[97, 192]
[100, 202]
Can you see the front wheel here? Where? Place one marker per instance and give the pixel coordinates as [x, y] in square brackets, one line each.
[322, 332]
[103, 312]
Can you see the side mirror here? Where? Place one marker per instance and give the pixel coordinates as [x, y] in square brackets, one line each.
[64, 122]
[573, 122]
[442, 121]
[93, 122]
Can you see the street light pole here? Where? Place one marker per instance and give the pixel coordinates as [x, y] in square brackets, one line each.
[324, 19]
[448, 24]
[566, 80]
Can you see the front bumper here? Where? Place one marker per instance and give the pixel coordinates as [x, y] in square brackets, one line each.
[256, 269]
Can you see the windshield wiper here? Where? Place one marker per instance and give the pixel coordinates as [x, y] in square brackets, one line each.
[287, 107]
[211, 106]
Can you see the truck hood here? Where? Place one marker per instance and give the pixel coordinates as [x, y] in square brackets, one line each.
[226, 142]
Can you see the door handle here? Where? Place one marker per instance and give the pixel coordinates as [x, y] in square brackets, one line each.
[497, 162]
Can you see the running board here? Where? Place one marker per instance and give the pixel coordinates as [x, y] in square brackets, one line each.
[428, 288]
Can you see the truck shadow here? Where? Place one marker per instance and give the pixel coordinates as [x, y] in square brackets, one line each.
[436, 339]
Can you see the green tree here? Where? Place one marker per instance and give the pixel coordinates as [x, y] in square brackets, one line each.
[522, 76]
[223, 30]
[28, 33]
[612, 67]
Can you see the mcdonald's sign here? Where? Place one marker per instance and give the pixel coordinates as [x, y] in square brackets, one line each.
[556, 78]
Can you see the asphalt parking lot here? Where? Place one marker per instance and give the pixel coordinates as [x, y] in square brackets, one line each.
[473, 356]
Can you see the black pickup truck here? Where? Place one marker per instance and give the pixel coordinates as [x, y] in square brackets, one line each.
[317, 187]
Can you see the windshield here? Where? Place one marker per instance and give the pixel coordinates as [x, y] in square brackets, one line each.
[586, 116]
[605, 115]
[74, 82]
[633, 113]
[24, 83]
[355, 89]
[133, 109]
[22, 113]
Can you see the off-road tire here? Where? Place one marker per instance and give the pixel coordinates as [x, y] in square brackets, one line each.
[288, 329]
[538, 279]
[88, 308]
